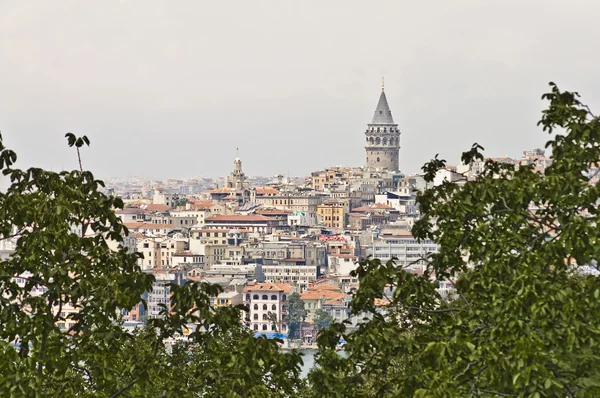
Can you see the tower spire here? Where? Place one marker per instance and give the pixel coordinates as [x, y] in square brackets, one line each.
[382, 83]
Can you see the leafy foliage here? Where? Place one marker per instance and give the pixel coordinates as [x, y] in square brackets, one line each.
[62, 290]
[524, 321]
[322, 319]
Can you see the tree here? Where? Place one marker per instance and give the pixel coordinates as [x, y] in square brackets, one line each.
[525, 319]
[322, 319]
[62, 291]
[295, 315]
[180, 202]
[272, 317]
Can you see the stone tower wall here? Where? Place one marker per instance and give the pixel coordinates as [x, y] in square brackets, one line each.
[382, 147]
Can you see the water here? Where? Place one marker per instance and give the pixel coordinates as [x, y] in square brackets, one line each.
[308, 357]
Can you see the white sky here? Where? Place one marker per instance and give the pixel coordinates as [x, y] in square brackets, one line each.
[171, 88]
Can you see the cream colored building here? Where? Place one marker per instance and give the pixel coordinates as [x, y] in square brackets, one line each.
[306, 203]
[158, 252]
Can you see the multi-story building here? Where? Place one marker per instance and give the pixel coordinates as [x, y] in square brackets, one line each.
[255, 223]
[333, 214]
[161, 291]
[187, 259]
[300, 275]
[131, 214]
[264, 299]
[316, 296]
[405, 248]
[293, 202]
[158, 252]
[322, 179]
[163, 198]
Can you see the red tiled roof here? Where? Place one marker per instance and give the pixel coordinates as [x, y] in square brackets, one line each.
[274, 212]
[251, 217]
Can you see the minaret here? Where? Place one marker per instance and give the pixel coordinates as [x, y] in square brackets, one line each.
[383, 138]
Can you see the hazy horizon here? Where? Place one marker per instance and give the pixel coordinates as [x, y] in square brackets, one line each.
[171, 89]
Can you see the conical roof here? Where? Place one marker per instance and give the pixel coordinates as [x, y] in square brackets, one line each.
[383, 114]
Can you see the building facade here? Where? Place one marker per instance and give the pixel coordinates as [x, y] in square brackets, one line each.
[264, 299]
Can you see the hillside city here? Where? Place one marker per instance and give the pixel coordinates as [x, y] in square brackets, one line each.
[263, 239]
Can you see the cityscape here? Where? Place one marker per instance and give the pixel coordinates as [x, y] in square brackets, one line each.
[299, 199]
[286, 235]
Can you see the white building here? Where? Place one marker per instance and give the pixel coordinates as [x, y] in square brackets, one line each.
[263, 299]
[301, 276]
[161, 291]
[405, 248]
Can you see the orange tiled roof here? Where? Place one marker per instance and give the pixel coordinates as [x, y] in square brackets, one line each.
[322, 294]
[343, 256]
[157, 207]
[266, 191]
[336, 301]
[268, 287]
[381, 302]
[323, 287]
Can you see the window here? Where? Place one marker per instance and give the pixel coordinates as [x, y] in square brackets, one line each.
[283, 298]
[256, 306]
[264, 327]
[264, 307]
[248, 297]
[255, 327]
[274, 297]
[256, 317]
[264, 317]
[255, 297]
[274, 307]
[273, 327]
[265, 297]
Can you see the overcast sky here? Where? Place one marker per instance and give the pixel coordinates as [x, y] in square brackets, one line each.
[171, 88]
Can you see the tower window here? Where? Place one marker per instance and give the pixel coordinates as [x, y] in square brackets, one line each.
[378, 159]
